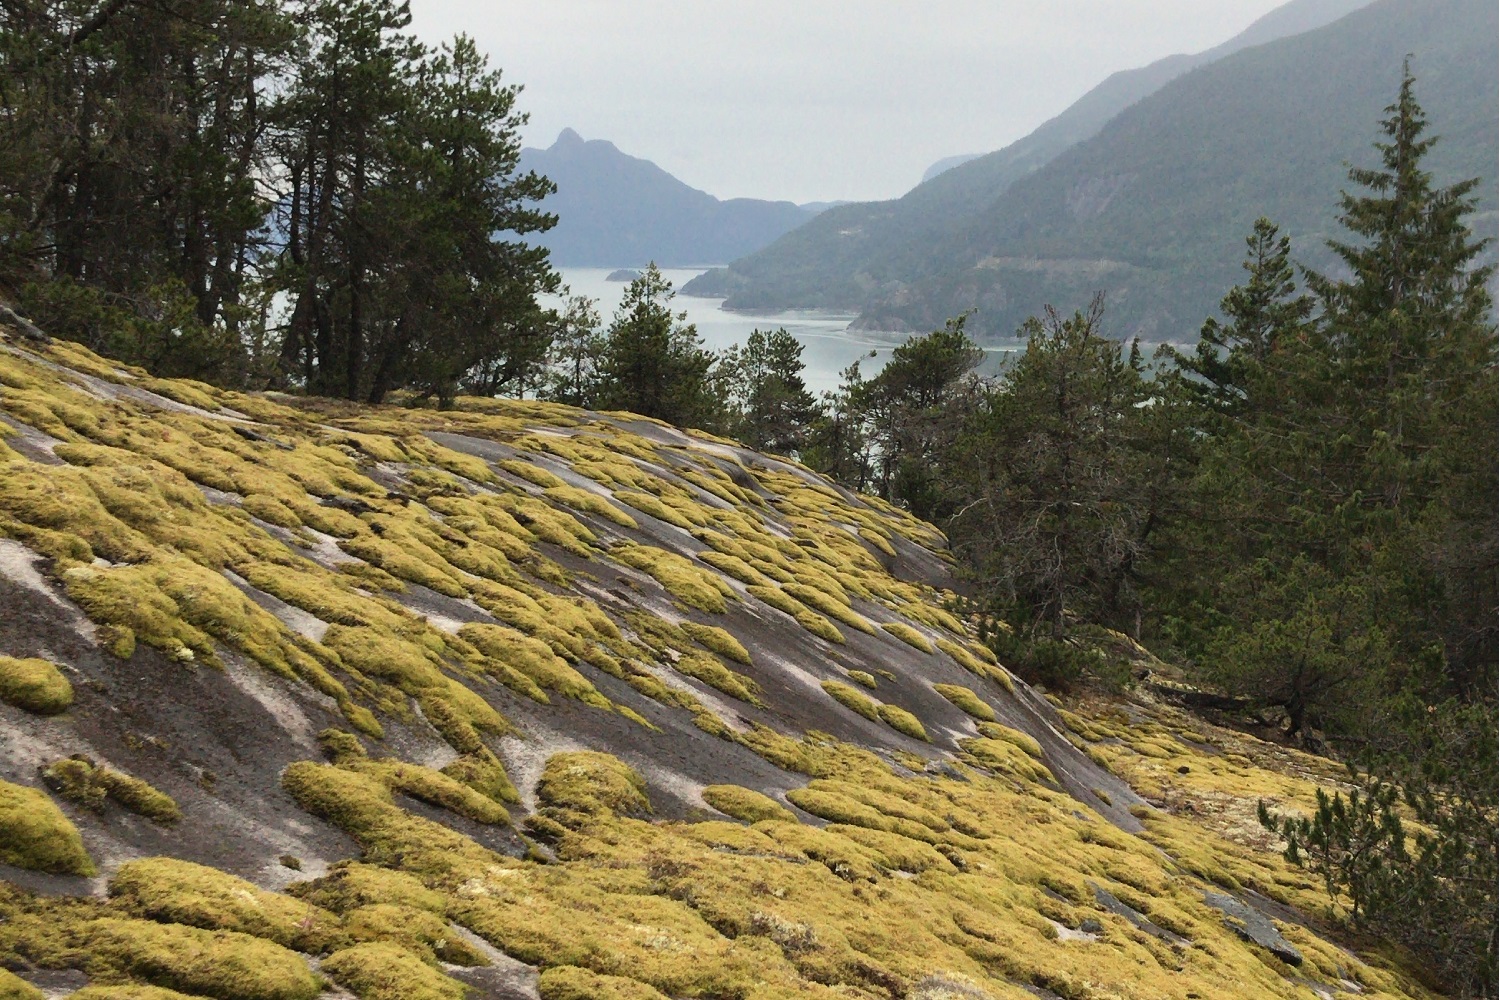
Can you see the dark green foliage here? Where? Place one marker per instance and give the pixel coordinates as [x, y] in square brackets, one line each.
[577, 348]
[1432, 887]
[170, 171]
[402, 166]
[1061, 498]
[653, 362]
[774, 410]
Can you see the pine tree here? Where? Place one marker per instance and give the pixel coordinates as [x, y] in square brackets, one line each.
[654, 363]
[776, 409]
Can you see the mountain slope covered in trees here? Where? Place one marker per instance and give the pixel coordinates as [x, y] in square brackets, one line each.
[1150, 208]
[616, 210]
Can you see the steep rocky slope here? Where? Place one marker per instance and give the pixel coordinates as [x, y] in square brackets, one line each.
[299, 697]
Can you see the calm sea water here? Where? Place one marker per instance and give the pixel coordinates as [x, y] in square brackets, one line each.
[828, 345]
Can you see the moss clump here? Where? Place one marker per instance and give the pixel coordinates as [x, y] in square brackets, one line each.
[966, 700]
[181, 892]
[483, 772]
[79, 780]
[533, 474]
[13, 987]
[569, 982]
[422, 932]
[746, 804]
[434, 788]
[590, 782]
[648, 504]
[533, 659]
[908, 635]
[713, 638]
[692, 586]
[384, 971]
[903, 721]
[127, 993]
[35, 686]
[222, 964]
[852, 700]
[862, 679]
[995, 731]
[350, 885]
[713, 673]
[821, 602]
[590, 503]
[35, 835]
[734, 567]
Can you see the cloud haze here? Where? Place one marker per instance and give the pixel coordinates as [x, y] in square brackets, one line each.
[816, 99]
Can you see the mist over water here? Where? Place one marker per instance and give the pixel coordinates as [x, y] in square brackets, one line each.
[828, 345]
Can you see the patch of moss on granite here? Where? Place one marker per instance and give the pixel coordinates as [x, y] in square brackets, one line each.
[34, 685]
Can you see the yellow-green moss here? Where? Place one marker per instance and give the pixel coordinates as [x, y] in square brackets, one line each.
[908, 635]
[995, 731]
[174, 891]
[483, 772]
[863, 679]
[384, 971]
[569, 982]
[692, 586]
[716, 639]
[226, 965]
[746, 804]
[534, 474]
[966, 700]
[80, 780]
[35, 835]
[734, 567]
[590, 503]
[821, 602]
[852, 700]
[34, 686]
[534, 659]
[591, 782]
[13, 987]
[434, 788]
[713, 673]
[648, 504]
[903, 721]
[421, 932]
[350, 885]
[127, 993]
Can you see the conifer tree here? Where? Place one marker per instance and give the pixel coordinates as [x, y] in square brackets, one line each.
[653, 362]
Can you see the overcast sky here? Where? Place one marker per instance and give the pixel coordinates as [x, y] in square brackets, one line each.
[816, 100]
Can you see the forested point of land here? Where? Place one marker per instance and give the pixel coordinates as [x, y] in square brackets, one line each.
[1299, 513]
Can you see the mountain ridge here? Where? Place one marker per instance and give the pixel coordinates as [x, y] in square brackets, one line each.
[617, 210]
[848, 259]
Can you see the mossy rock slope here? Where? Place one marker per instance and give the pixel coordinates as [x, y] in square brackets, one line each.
[433, 693]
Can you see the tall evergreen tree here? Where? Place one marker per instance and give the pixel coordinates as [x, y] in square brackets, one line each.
[653, 362]
[775, 408]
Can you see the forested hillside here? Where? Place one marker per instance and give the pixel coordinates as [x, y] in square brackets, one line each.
[843, 259]
[1147, 208]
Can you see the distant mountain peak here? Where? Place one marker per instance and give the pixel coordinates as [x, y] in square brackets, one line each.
[618, 210]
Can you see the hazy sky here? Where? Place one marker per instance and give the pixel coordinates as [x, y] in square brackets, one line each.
[816, 100]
